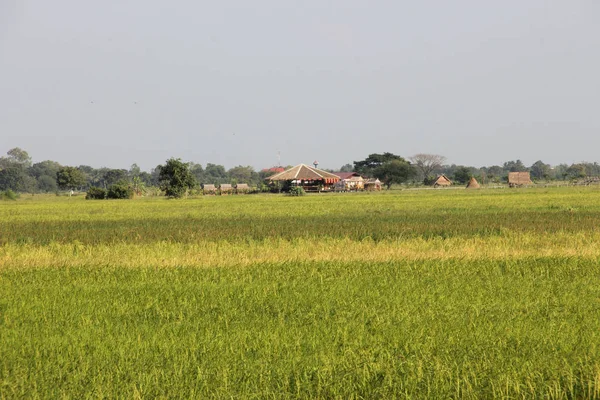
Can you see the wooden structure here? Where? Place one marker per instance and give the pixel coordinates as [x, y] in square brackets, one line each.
[373, 185]
[516, 179]
[209, 189]
[473, 184]
[309, 178]
[443, 181]
[226, 188]
[242, 188]
[349, 182]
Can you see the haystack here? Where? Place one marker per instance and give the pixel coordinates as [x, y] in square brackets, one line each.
[473, 184]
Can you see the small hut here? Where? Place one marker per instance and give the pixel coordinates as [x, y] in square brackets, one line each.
[349, 181]
[516, 179]
[311, 179]
[373, 185]
[473, 184]
[242, 188]
[226, 188]
[209, 189]
[442, 180]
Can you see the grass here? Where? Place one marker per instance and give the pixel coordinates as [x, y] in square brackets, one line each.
[491, 293]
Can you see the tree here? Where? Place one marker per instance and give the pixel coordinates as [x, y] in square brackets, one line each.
[576, 171]
[215, 174]
[394, 172]
[539, 170]
[70, 178]
[176, 178]
[427, 164]
[113, 176]
[12, 178]
[241, 174]
[373, 161]
[462, 174]
[514, 166]
[347, 168]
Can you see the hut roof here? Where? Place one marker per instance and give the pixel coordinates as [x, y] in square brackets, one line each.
[208, 187]
[226, 186]
[473, 184]
[519, 178]
[303, 172]
[242, 186]
[442, 180]
[347, 175]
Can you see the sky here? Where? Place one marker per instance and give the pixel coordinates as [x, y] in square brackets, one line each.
[114, 82]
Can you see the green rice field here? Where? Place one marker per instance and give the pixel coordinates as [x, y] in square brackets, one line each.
[491, 293]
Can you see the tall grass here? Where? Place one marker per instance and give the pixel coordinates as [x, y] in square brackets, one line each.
[431, 294]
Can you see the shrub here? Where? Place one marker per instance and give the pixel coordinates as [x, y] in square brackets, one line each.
[95, 193]
[296, 191]
[120, 190]
[9, 195]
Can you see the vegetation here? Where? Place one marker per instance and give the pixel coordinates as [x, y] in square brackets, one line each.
[95, 193]
[433, 294]
[176, 178]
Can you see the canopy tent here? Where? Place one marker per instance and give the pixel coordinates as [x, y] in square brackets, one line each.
[303, 172]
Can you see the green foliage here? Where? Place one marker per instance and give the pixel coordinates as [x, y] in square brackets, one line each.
[462, 174]
[396, 171]
[120, 190]
[176, 178]
[296, 191]
[95, 193]
[70, 178]
[368, 166]
[9, 195]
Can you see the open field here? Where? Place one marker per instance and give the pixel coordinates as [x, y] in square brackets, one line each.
[432, 293]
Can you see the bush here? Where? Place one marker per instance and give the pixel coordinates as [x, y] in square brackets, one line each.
[95, 193]
[9, 195]
[296, 191]
[120, 191]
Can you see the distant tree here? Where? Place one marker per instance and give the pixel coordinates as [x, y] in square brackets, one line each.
[576, 171]
[15, 157]
[70, 178]
[47, 184]
[215, 174]
[113, 176]
[347, 168]
[427, 164]
[241, 174]
[134, 171]
[368, 166]
[394, 172]
[539, 170]
[198, 172]
[462, 174]
[176, 178]
[12, 178]
[515, 166]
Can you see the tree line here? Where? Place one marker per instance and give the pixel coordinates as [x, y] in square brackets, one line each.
[18, 173]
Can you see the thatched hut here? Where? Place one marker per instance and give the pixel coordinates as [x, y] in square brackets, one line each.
[242, 188]
[209, 189]
[226, 188]
[473, 184]
[309, 178]
[442, 180]
[516, 179]
[373, 185]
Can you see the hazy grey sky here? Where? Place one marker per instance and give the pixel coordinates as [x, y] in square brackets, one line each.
[112, 82]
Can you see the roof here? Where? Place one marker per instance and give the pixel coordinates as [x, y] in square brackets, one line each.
[305, 173]
[242, 186]
[347, 175]
[210, 187]
[273, 169]
[519, 178]
[373, 181]
[226, 186]
[443, 180]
